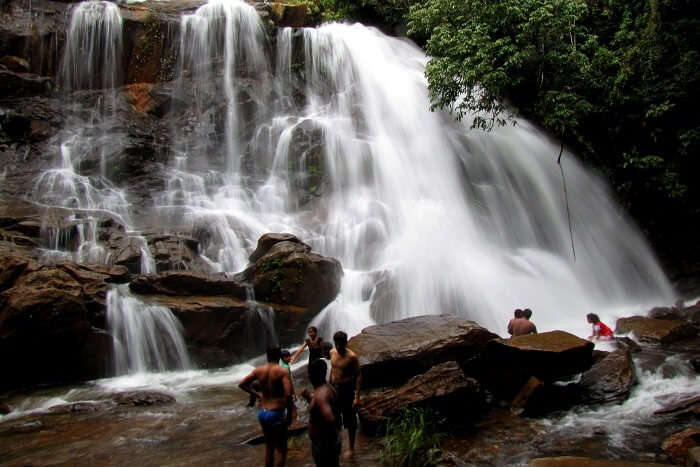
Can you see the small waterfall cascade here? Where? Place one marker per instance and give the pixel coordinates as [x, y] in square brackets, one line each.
[147, 338]
[91, 61]
[260, 324]
[92, 56]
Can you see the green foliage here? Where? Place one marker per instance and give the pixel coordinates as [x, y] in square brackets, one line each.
[413, 438]
[385, 12]
[617, 80]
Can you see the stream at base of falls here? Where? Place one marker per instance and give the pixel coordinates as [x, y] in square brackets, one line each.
[78, 425]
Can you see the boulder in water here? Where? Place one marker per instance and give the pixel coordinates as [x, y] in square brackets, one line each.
[144, 398]
[609, 380]
[183, 283]
[392, 353]
[678, 444]
[655, 330]
[443, 388]
[289, 273]
[48, 318]
[508, 363]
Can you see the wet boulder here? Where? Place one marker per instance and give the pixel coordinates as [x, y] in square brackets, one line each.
[681, 407]
[609, 380]
[677, 445]
[655, 330]
[45, 330]
[183, 283]
[175, 253]
[392, 353]
[23, 84]
[221, 330]
[289, 273]
[143, 398]
[288, 15]
[507, 364]
[444, 388]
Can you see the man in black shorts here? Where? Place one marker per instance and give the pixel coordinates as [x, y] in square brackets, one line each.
[347, 380]
[324, 417]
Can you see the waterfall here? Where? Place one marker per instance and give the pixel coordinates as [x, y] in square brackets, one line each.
[92, 55]
[146, 337]
[92, 60]
[451, 220]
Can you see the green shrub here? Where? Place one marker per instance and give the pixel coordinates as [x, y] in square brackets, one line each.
[413, 438]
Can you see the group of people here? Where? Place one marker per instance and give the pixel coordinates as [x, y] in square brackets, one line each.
[521, 325]
[335, 376]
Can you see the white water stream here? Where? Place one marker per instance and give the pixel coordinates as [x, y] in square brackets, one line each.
[454, 221]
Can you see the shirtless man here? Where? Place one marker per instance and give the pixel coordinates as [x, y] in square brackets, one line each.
[324, 417]
[522, 326]
[347, 380]
[275, 412]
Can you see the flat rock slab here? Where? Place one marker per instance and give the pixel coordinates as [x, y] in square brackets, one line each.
[655, 330]
[392, 353]
[143, 398]
[444, 388]
[508, 363]
[571, 461]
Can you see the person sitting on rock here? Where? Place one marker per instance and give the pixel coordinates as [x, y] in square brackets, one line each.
[600, 330]
[518, 313]
[520, 325]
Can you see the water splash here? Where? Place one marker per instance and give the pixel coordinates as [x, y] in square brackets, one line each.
[147, 338]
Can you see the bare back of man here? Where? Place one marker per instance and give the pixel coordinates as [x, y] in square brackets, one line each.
[275, 412]
[323, 426]
[522, 326]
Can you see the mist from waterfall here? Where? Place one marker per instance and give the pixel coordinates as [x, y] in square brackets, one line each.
[425, 215]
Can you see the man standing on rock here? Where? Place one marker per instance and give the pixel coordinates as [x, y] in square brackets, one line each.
[276, 410]
[347, 380]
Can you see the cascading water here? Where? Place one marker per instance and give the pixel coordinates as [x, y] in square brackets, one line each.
[449, 220]
[91, 61]
[146, 337]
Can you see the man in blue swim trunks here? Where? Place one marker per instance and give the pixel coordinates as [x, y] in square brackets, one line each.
[276, 405]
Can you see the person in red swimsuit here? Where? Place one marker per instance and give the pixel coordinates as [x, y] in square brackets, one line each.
[600, 330]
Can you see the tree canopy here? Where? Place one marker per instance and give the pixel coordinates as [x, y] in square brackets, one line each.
[616, 80]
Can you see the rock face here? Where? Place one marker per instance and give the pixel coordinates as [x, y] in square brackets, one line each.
[51, 319]
[285, 271]
[678, 444]
[508, 363]
[609, 380]
[655, 330]
[182, 283]
[572, 461]
[392, 353]
[444, 388]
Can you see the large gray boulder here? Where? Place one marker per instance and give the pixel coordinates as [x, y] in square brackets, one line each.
[392, 353]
